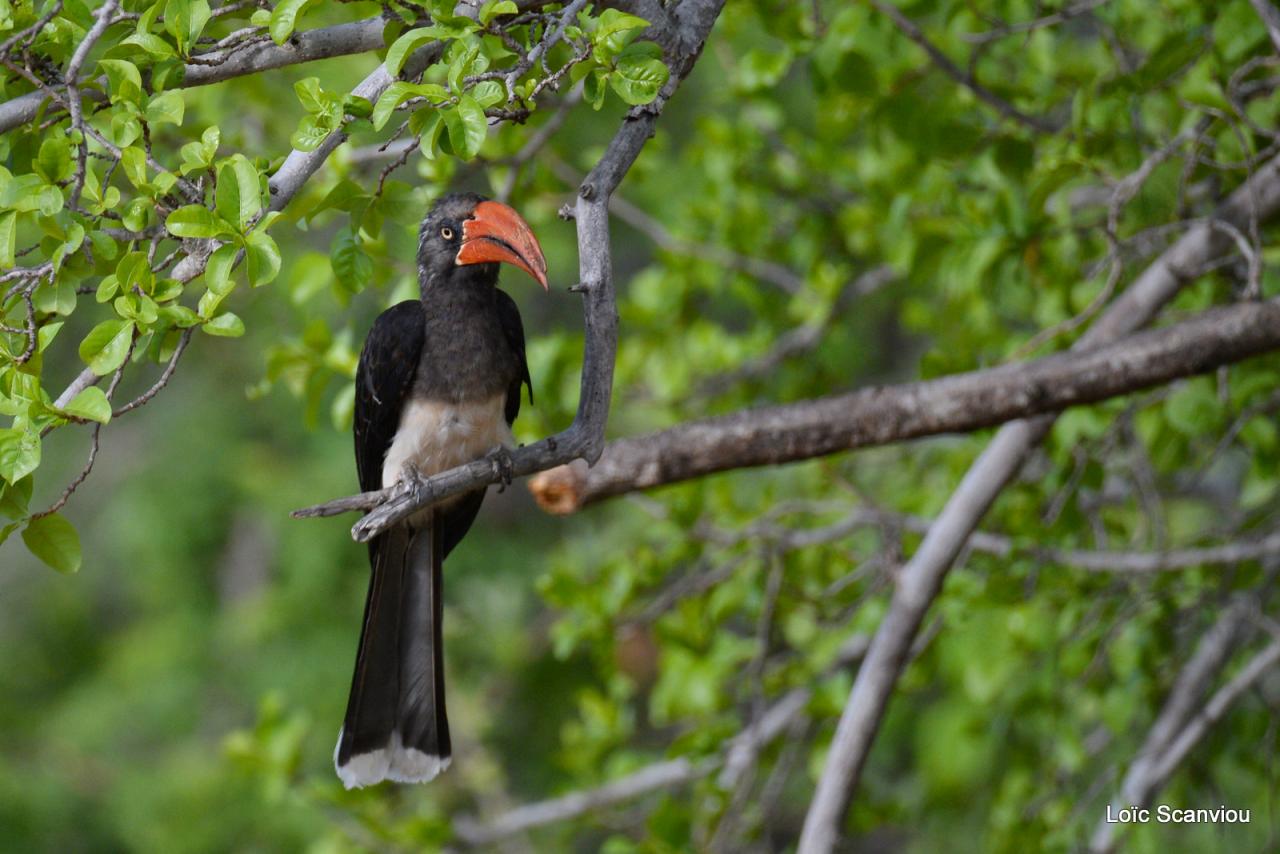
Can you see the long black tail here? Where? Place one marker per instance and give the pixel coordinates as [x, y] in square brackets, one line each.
[396, 727]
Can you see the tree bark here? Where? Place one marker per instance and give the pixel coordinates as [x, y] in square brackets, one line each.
[880, 415]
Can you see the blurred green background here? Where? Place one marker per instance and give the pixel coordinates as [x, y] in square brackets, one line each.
[183, 691]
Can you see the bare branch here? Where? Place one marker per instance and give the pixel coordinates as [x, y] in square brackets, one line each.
[538, 140]
[800, 340]
[165, 376]
[651, 778]
[1271, 18]
[877, 416]
[72, 77]
[998, 545]
[758, 268]
[1051, 20]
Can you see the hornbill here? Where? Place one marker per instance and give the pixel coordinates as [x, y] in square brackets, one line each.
[438, 385]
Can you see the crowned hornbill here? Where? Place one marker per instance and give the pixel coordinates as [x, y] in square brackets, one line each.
[438, 386]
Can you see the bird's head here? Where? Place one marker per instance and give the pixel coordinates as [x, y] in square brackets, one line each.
[465, 236]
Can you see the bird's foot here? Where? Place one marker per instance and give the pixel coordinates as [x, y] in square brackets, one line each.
[415, 484]
[503, 466]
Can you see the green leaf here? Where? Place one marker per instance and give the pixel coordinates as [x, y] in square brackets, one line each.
[467, 127]
[488, 93]
[399, 92]
[638, 79]
[185, 21]
[351, 264]
[262, 259]
[27, 193]
[404, 47]
[134, 161]
[134, 215]
[179, 315]
[90, 404]
[357, 106]
[614, 31]
[104, 247]
[494, 8]
[594, 88]
[310, 95]
[46, 334]
[19, 453]
[194, 221]
[53, 539]
[284, 17]
[166, 107]
[15, 498]
[54, 162]
[217, 274]
[150, 43]
[465, 59]
[310, 134]
[239, 196]
[123, 80]
[225, 325]
[105, 347]
[125, 129]
[198, 155]
[8, 239]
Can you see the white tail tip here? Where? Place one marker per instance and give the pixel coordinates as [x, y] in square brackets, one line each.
[394, 762]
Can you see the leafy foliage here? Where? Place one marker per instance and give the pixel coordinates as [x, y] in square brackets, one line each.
[91, 209]
[194, 671]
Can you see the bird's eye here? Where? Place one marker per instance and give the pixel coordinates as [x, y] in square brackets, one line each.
[446, 233]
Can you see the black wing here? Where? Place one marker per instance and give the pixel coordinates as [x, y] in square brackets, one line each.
[383, 379]
[514, 330]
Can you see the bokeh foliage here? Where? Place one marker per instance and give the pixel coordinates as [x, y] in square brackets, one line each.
[182, 692]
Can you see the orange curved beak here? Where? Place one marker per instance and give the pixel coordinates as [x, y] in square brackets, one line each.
[496, 233]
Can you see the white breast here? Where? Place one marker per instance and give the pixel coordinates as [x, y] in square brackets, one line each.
[434, 436]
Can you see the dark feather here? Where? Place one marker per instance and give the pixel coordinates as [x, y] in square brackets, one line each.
[383, 379]
[513, 329]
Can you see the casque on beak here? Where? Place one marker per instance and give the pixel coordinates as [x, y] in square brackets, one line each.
[497, 233]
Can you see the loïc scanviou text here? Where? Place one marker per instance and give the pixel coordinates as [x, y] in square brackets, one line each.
[1165, 814]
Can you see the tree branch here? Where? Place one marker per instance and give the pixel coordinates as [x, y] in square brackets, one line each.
[296, 170]
[999, 545]
[965, 79]
[921, 579]
[877, 416]
[1271, 18]
[1211, 655]
[216, 66]
[737, 753]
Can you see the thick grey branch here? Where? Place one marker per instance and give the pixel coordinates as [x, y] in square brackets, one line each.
[877, 416]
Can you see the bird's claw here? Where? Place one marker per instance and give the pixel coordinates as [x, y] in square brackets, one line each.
[414, 483]
[503, 466]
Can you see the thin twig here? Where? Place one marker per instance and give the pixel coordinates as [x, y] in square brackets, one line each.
[964, 78]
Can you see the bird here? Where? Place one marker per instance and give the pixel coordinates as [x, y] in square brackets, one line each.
[438, 385]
